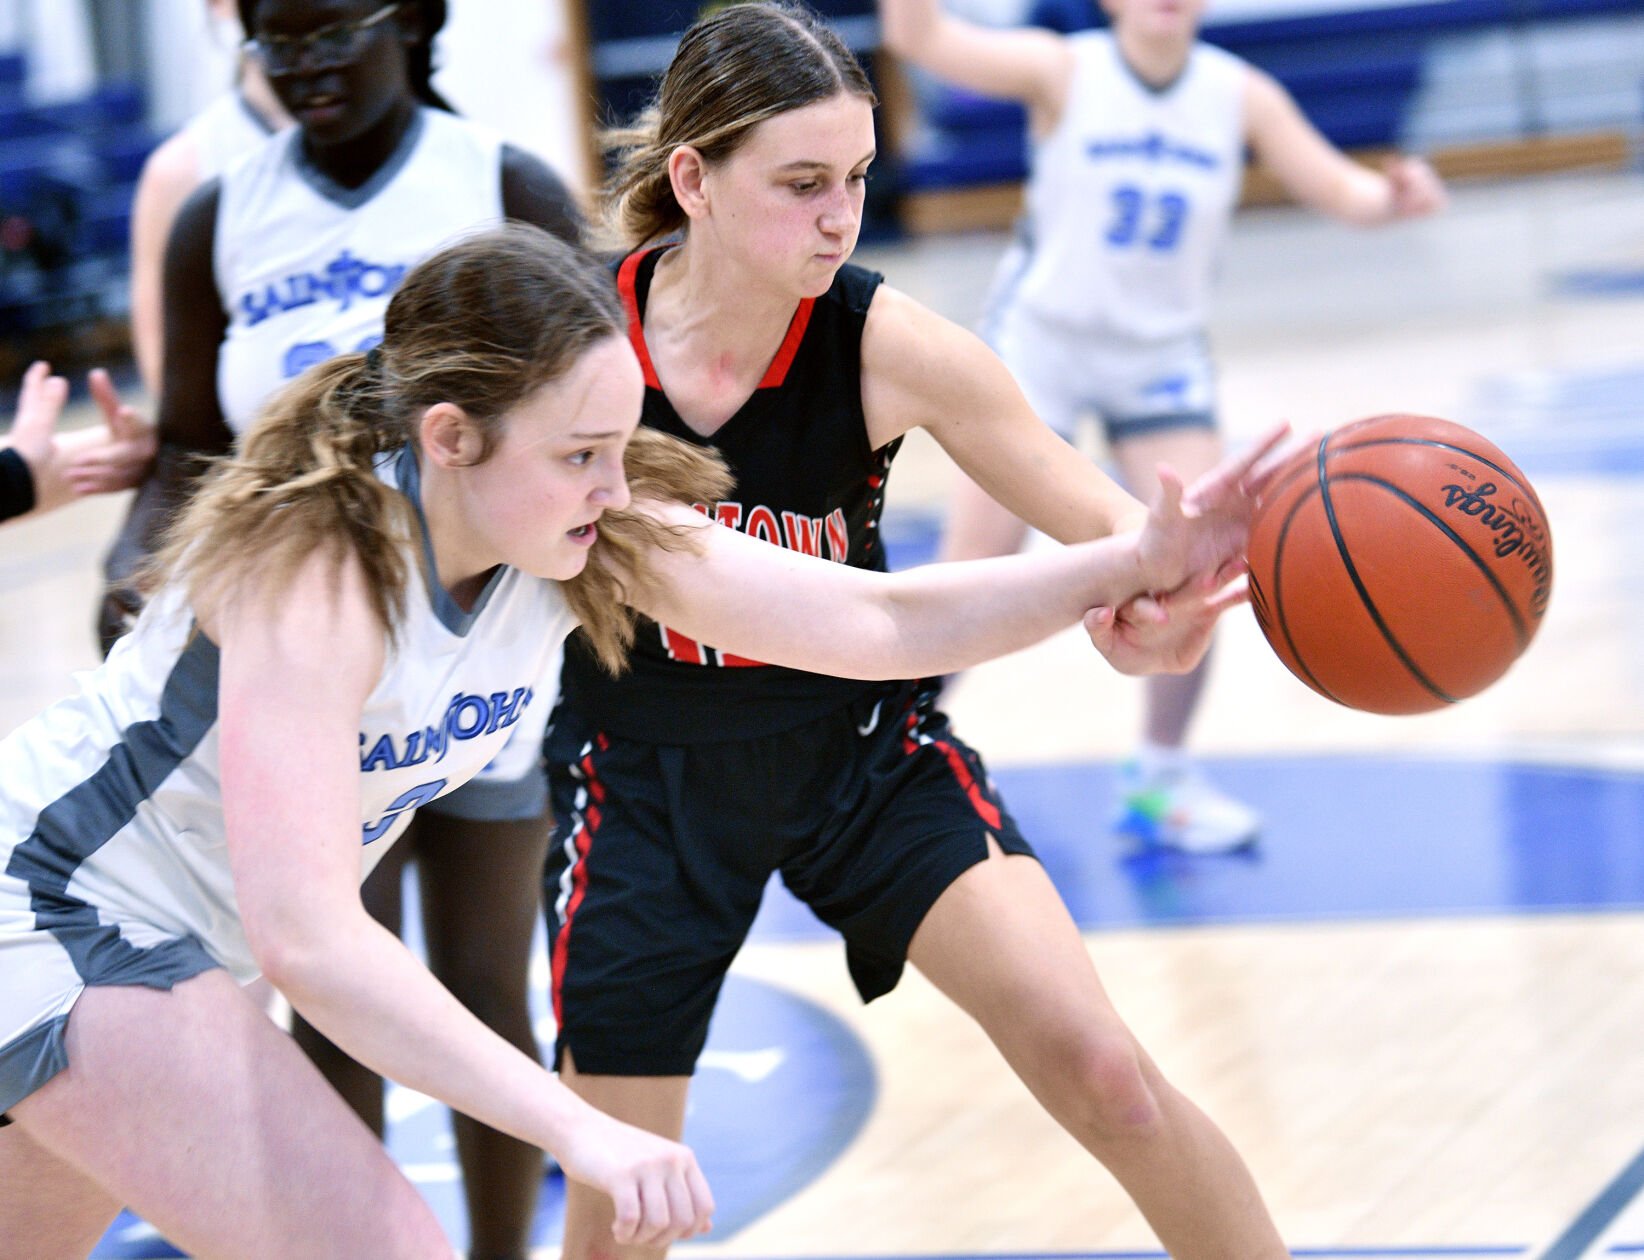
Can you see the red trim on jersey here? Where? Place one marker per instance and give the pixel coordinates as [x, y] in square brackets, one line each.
[985, 809]
[636, 325]
[583, 840]
[682, 649]
[778, 370]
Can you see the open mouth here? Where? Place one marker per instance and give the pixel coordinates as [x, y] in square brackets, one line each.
[323, 103]
[584, 532]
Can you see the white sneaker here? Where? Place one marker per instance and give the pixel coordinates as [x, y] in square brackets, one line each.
[1180, 809]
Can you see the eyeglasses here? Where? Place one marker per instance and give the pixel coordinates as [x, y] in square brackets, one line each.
[339, 44]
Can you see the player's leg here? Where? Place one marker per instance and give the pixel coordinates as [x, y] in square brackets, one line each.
[1159, 407]
[49, 1210]
[1000, 943]
[656, 1103]
[190, 1107]
[976, 526]
[480, 885]
[1191, 452]
[360, 1087]
[915, 870]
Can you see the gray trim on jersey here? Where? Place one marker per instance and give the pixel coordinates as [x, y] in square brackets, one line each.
[354, 198]
[29, 1061]
[77, 824]
[252, 116]
[408, 475]
[495, 800]
[1119, 428]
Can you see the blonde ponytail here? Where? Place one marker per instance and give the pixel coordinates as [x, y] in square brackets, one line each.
[303, 480]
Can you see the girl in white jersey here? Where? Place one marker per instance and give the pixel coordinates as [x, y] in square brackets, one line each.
[349, 612]
[233, 124]
[285, 259]
[1139, 137]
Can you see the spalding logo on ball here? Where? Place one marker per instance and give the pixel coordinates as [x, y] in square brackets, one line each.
[1400, 565]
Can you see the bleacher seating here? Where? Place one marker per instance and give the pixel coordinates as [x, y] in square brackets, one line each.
[68, 171]
[1357, 73]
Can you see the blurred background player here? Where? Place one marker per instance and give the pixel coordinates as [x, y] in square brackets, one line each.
[234, 123]
[285, 259]
[1139, 136]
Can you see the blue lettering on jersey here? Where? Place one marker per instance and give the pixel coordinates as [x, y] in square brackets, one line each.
[466, 717]
[342, 280]
[1153, 147]
[404, 802]
[1140, 218]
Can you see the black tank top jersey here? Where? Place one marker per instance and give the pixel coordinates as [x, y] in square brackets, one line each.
[806, 479]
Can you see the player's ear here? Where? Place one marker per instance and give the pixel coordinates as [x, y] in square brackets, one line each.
[449, 436]
[687, 171]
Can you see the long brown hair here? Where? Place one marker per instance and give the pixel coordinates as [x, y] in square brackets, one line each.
[733, 69]
[482, 324]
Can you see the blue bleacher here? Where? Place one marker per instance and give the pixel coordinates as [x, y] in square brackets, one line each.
[68, 172]
[1354, 72]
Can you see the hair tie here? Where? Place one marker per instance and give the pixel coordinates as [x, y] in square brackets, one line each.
[373, 360]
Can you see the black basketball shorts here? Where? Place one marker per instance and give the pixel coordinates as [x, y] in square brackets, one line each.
[662, 853]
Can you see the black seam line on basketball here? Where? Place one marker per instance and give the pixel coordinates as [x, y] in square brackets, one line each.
[1519, 628]
[1447, 446]
[1364, 595]
[1278, 601]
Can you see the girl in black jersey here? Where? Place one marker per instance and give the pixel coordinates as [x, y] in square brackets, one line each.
[679, 788]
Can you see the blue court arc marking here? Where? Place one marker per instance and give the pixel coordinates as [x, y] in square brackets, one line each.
[770, 1054]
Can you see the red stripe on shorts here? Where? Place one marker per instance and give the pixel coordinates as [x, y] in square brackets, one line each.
[985, 809]
[583, 839]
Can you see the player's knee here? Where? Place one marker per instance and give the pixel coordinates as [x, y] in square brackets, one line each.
[1110, 1096]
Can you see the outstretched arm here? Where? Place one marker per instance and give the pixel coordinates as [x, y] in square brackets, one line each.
[1024, 63]
[296, 668]
[775, 605]
[1320, 175]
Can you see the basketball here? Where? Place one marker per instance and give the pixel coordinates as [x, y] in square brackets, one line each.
[1400, 565]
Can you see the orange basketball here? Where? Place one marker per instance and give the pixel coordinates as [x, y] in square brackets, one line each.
[1400, 565]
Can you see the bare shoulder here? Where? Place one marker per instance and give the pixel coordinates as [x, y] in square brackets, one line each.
[317, 621]
[898, 326]
[172, 170]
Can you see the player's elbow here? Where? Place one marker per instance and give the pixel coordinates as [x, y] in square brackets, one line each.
[293, 951]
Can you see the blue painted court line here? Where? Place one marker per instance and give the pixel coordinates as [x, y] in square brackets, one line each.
[1601, 282]
[1610, 1203]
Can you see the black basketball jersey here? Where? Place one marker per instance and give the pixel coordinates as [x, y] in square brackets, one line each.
[806, 478]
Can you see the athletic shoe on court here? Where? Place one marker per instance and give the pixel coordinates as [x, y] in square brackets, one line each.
[1178, 808]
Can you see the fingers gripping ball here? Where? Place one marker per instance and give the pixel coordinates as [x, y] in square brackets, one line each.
[1400, 565]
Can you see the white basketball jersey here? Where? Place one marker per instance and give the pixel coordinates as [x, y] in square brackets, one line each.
[223, 131]
[111, 804]
[305, 268]
[1129, 198]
